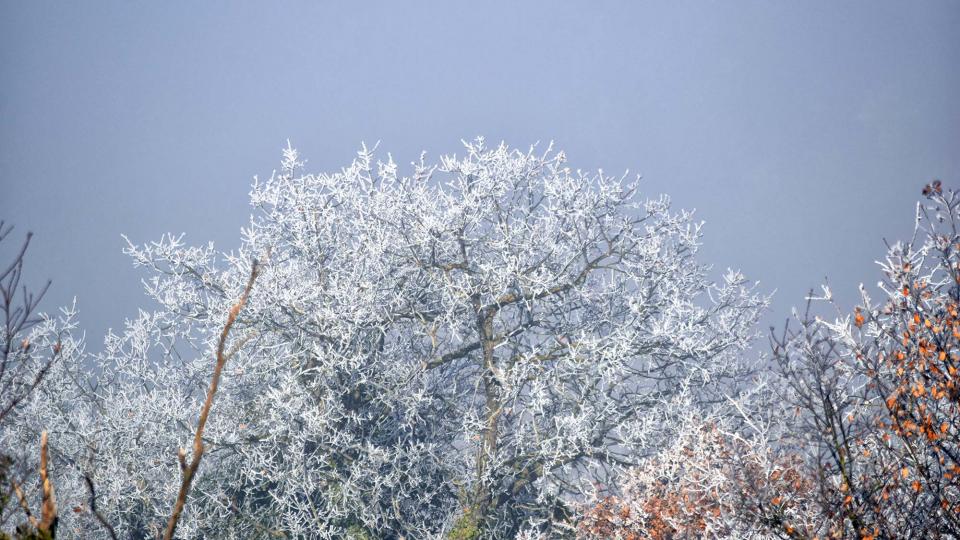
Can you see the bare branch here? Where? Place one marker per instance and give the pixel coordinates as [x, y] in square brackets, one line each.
[198, 448]
[48, 506]
[93, 508]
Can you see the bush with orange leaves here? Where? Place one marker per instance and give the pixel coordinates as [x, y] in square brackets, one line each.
[876, 391]
[721, 478]
[909, 349]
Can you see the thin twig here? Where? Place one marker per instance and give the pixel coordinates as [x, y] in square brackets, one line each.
[23, 504]
[37, 379]
[93, 508]
[191, 469]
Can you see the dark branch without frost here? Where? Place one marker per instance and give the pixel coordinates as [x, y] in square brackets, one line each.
[93, 508]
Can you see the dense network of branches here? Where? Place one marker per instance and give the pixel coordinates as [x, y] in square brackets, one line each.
[468, 350]
[31, 346]
[495, 346]
[857, 434]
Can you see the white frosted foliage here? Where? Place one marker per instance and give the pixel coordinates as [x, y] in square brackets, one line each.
[489, 339]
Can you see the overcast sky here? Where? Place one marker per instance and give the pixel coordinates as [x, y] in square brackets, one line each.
[801, 132]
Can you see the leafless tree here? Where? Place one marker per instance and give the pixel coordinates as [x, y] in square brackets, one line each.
[23, 367]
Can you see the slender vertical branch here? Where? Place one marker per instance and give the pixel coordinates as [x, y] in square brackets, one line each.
[191, 469]
[48, 504]
[47, 524]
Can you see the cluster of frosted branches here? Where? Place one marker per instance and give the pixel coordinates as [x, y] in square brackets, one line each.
[468, 349]
[33, 346]
[47, 353]
[856, 434]
[877, 392]
[725, 474]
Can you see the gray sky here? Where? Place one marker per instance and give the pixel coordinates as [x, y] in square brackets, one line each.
[802, 132]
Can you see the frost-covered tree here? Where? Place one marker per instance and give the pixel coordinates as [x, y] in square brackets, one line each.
[465, 351]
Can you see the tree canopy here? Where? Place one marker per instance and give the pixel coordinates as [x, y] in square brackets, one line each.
[493, 346]
[473, 347]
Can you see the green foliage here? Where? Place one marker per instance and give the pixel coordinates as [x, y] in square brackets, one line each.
[358, 532]
[25, 532]
[5, 494]
[467, 527]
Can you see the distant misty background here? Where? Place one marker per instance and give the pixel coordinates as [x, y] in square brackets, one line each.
[801, 132]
